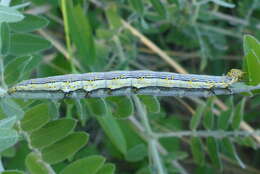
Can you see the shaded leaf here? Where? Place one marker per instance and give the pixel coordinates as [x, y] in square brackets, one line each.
[208, 120]
[113, 18]
[35, 118]
[238, 114]
[197, 151]
[29, 23]
[4, 38]
[231, 151]
[226, 116]
[114, 132]
[65, 148]
[81, 32]
[196, 118]
[137, 5]
[97, 106]
[124, 106]
[213, 151]
[25, 65]
[136, 153]
[151, 103]
[107, 169]
[24, 44]
[52, 132]
[159, 7]
[81, 110]
[88, 165]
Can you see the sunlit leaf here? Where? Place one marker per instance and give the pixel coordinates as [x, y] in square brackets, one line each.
[9, 14]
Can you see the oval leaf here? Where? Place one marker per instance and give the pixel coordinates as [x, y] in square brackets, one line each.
[97, 106]
[214, 152]
[136, 153]
[35, 164]
[124, 106]
[65, 148]
[35, 118]
[25, 65]
[29, 23]
[151, 103]
[114, 132]
[197, 151]
[88, 165]
[9, 14]
[4, 38]
[230, 149]
[238, 115]
[107, 169]
[24, 44]
[8, 137]
[196, 118]
[52, 132]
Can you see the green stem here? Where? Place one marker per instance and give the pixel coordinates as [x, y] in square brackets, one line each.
[152, 141]
[216, 133]
[67, 32]
[2, 82]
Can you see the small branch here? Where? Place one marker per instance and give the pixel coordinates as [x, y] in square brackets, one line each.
[217, 134]
[151, 140]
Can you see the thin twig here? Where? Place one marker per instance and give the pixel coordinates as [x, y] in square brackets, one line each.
[214, 133]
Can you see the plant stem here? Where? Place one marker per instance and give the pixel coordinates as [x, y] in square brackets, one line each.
[152, 141]
[216, 134]
[67, 32]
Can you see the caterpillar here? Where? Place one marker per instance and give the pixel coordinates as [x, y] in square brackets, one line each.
[115, 83]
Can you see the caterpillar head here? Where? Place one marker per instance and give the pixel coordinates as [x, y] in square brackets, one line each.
[236, 74]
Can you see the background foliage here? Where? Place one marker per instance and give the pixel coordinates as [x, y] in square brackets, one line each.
[140, 135]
